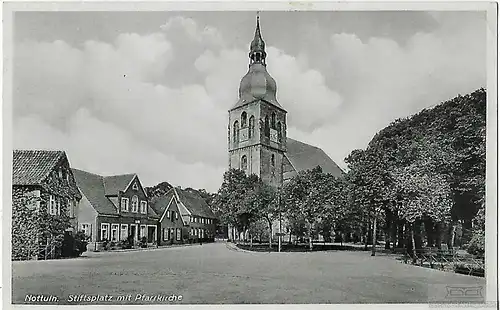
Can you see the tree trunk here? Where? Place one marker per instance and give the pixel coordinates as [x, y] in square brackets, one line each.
[290, 238]
[310, 236]
[428, 226]
[394, 233]
[452, 230]
[401, 235]
[270, 234]
[387, 230]
[438, 234]
[374, 237]
[251, 240]
[417, 228]
[413, 245]
[367, 234]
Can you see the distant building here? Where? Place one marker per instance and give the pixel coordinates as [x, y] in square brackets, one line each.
[257, 130]
[43, 181]
[184, 217]
[114, 208]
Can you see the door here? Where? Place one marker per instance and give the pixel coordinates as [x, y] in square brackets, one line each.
[133, 232]
[151, 234]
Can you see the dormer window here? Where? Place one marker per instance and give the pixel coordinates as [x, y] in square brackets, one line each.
[135, 204]
[135, 186]
[124, 204]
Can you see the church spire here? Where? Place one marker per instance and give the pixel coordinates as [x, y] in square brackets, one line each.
[257, 47]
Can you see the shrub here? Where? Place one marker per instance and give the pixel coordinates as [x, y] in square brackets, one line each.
[144, 242]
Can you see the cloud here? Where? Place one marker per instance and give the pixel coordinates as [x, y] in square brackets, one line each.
[156, 104]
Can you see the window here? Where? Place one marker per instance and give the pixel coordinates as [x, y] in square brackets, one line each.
[71, 207]
[251, 127]
[168, 214]
[52, 205]
[244, 162]
[172, 233]
[144, 206]
[173, 215]
[266, 127]
[125, 204]
[236, 127]
[58, 200]
[86, 229]
[178, 236]
[176, 215]
[273, 120]
[279, 132]
[124, 232]
[135, 204]
[143, 231]
[243, 119]
[67, 176]
[60, 173]
[272, 160]
[135, 186]
[114, 232]
[165, 234]
[104, 231]
[191, 219]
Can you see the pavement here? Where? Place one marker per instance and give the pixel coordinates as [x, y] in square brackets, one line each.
[220, 273]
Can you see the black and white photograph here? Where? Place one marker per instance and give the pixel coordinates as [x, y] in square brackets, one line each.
[238, 153]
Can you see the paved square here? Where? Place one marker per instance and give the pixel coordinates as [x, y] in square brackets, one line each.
[214, 273]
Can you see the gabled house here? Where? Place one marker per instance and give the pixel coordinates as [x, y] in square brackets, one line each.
[184, 217]
[42, 181]
[114, 208]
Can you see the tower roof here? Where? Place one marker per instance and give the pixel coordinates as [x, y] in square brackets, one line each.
[257, 84]
[258, 44]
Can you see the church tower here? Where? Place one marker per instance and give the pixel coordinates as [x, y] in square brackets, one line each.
[257, 122]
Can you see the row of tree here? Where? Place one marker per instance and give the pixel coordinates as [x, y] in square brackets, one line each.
[418, 179]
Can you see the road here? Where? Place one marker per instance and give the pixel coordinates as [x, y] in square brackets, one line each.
[216, 273]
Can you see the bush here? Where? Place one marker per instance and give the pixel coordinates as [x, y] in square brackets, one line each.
[476, 245]
[74, 245]
[144, 242]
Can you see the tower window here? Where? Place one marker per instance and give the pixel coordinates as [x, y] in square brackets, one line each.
[266, 126]
[244, 163]
[272, 160]
[279, 132]
[273, 120]
[236, 127]
[243, 119]
[251, 125]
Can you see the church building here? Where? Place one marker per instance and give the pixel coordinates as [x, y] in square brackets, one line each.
[257, 130]
[257, 137]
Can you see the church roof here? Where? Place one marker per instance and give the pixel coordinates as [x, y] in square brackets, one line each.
[303, 156]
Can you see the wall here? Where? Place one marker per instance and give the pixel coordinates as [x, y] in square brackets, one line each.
[169, 223]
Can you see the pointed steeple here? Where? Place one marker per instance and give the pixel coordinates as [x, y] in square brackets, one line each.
[257, 47]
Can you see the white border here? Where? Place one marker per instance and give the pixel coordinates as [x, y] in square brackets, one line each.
[492, 69]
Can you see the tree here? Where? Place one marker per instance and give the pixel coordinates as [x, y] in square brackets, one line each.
[307, 195]
[422, 194]
[158, 190]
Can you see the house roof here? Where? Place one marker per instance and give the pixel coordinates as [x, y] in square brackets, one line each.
[160, 203]
[115, 183]
[31, 167]
[304, 156]
[92, 186]
[193, 202]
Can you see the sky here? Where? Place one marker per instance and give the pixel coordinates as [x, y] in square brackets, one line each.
[149, 92]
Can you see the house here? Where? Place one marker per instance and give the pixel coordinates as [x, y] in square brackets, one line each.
[184, 217]
[113, 208]
[42, 181]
